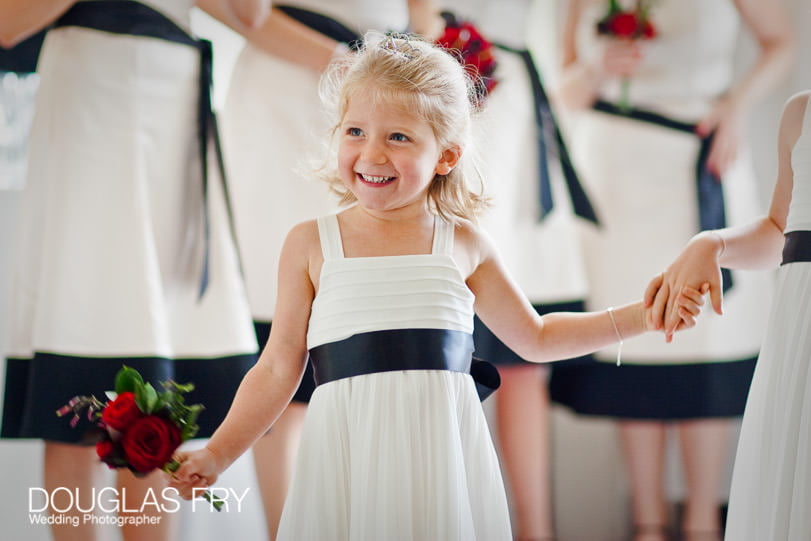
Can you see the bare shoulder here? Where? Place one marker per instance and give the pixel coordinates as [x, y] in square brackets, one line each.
[796, 104]
[472, 246]
[304, 233]
[791, 122]
[302, 242]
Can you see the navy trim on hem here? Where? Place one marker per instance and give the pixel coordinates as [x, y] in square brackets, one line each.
[35, 388]
[653, 392]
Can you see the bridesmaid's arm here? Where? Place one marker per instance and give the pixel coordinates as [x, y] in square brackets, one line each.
[424, 18]
[20, 19]
[770, 26]
[280, 36]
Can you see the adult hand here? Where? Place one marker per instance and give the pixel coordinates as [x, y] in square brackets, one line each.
[726, 118]
[620, 57]
[696, 267]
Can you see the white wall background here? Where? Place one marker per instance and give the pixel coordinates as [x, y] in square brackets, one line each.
[589, 487]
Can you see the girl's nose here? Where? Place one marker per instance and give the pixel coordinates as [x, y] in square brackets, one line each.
[373, 152]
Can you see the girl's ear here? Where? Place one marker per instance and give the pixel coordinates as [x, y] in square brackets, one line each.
[448, 160]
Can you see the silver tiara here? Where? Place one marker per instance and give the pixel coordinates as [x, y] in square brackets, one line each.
[400, 45]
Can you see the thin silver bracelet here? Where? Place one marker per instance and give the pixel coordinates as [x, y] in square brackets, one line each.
[723, 243]
[610, 311]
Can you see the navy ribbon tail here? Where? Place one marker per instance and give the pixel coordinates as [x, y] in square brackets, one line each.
[128, 17]
[548, 135]
[709, 189]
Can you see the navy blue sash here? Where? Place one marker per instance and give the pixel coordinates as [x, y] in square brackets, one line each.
[709, 190]
[132, 18]
[797, 247]
[548, 134]
[403, 349]
[323, 24]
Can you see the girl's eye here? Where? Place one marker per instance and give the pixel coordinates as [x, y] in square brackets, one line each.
[399, 137]
[354, 132]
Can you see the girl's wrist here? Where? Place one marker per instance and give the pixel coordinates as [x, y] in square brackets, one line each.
[219, 459]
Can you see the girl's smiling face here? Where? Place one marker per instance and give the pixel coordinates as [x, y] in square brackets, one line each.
[388, 156]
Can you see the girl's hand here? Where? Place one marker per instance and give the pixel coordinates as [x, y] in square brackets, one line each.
[620, 58]
[727, 120]
[198, 469]
[688, 305]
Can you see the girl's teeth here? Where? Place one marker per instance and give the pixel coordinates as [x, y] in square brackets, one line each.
[376, 180]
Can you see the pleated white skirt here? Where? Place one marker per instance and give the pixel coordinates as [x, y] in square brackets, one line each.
[771, 484]
[401, 455]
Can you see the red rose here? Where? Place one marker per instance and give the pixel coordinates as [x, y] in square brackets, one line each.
[104, 449]
[150, 442]
[121, 412]
[648, 30]
[624, 24]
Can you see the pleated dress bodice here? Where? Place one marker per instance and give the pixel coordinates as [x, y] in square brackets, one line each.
[365, 294]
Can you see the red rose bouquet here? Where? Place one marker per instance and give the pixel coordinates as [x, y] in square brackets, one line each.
[140, 428]
[627, 24]
[473, 51]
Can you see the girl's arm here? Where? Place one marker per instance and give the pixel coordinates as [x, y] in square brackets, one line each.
[769, 24]
[506, 311]
[757, 245]
[20, 19]
[269, 386]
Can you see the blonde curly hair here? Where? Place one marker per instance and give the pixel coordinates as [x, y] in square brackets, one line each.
[432, 84]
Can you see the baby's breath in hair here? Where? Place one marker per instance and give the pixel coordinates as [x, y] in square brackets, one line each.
[431, 84]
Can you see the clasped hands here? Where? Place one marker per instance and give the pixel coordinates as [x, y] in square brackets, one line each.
[673, 299]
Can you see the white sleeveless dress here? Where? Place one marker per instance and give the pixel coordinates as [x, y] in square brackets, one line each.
[771, 483]
[642, 180]
[109, 255]
[403, 455]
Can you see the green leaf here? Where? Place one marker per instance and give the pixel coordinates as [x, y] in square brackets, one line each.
[146, 397]
[128, 380]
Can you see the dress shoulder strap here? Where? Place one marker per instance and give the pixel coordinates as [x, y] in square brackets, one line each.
[330, 236]
[443, 237]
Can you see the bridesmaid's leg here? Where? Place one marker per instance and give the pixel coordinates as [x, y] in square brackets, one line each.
[522, 412]
[705, 450]
[274, 457]
[644, 447]
[137, 492]
[77, 469]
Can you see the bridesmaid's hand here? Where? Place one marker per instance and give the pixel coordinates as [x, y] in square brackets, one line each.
[620, 58]
[728, 120]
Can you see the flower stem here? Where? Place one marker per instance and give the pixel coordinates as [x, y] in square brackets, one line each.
[624, 103]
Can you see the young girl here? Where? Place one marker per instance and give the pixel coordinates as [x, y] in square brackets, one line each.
[395, 443]
[771, 483]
